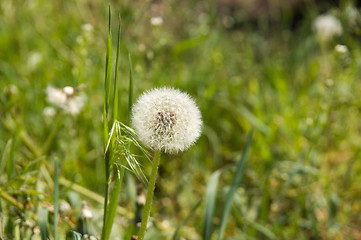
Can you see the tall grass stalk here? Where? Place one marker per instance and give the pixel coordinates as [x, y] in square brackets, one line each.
[108, 69]
[113, 172]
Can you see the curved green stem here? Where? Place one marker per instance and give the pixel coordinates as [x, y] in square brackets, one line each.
[148, 202]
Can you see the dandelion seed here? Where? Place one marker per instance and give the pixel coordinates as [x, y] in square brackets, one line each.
[167, 119]
[326, 27]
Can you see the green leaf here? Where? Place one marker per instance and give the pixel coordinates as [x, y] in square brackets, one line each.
[210, 205]
[231, 192]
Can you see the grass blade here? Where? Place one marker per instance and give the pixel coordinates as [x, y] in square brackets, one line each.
[233, 188]
[130, 100]
[56, 196]
[194, 208]
[43, 223]
[108, 75]
[116, 92]
[114, 198]
[211, 195]
[5, 156]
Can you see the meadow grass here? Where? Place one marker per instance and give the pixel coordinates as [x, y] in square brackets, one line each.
[300, 176]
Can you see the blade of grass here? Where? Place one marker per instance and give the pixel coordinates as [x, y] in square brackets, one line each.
[108, 74]
[56, 196]
[10, 170]
[114, 198]
[10, 199]
[116, 95]
[43, 223]
[5, 155]
[194, 208]
[236, 179]
[130, 100]
[210, 205]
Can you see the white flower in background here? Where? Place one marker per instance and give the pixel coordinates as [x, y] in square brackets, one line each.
[156, 21]
[75, 104]
[167, 119]
[341, 48]
[56, 96]
[326, 27]
[65, 98]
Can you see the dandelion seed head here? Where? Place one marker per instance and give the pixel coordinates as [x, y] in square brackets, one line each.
[66, 99]
[55, 96]
[326, 27]
[167, 119]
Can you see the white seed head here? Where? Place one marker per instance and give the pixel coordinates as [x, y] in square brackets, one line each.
[326, 27]
[56, 96]
[65, 98]
[167, 119]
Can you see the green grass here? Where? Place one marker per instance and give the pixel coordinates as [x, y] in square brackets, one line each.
[300, 180]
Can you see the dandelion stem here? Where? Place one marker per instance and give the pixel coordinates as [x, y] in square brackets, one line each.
[148, 202]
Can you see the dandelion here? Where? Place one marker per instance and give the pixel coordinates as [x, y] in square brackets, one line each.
[326, 27]
[167, 119]
[65, 99]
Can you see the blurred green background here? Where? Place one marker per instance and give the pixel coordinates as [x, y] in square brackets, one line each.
[245, 63]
